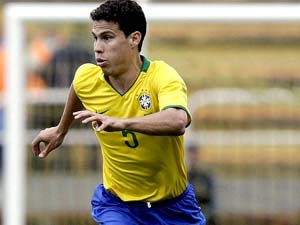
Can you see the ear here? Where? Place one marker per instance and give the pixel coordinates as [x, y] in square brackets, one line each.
[135, 38]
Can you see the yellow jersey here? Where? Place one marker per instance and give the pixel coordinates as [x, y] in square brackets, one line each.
[136, 166]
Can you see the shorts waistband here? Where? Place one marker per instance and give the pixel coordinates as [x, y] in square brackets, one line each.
[154, 204]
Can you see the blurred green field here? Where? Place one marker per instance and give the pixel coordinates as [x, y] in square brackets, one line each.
[250, 57]
[223, 55]
[247, 117]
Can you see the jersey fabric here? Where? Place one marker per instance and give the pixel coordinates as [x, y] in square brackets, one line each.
[136, 166]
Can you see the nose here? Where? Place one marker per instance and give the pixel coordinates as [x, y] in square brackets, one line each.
[98, 47]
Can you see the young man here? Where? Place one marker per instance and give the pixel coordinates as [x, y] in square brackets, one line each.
[138, 110]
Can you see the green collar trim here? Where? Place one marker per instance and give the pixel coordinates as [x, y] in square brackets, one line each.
[146, 64]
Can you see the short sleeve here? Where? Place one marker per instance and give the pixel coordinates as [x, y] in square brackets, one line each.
[172, 90]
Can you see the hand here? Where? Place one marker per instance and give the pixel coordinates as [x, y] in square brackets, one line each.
[99, 121]
[51, 138]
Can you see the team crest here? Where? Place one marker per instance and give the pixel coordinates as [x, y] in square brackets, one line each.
[145, 101]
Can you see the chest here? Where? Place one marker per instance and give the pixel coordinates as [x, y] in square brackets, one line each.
[141, 99]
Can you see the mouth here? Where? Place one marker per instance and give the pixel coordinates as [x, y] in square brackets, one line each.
[101, 62]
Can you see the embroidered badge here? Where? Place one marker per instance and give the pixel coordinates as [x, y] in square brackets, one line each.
[145, 101]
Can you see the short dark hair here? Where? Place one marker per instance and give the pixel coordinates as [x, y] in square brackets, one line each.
[128, 14]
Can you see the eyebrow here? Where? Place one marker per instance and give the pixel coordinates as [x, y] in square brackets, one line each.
[103, 33]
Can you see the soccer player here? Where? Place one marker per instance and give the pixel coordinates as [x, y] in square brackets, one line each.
[138, 110]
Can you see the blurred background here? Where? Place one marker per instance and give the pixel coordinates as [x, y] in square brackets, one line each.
[242, 150]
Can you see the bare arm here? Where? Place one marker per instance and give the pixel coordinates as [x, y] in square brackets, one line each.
[54, 136]
[73, 104]
[167, 122]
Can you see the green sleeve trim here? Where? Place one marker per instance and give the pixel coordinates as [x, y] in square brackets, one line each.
[180, 107]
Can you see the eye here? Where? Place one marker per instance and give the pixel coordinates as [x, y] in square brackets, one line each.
[107, 37]
[94, 36]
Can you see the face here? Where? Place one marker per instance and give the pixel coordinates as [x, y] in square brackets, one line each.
[112, 49]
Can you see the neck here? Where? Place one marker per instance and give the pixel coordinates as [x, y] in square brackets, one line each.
[124, 81]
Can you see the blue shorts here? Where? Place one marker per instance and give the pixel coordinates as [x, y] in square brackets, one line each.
[108, 209]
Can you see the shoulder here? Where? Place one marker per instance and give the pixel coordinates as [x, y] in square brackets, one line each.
[86, 73]
[159, 66]
[87, 69]
[164, 72]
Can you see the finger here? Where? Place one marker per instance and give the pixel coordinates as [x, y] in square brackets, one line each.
[90, 119]
[97, 126]
[101, 127]
[82, 114]
[36, 145]
[36, 149]
[78, 112]
[44, 153]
